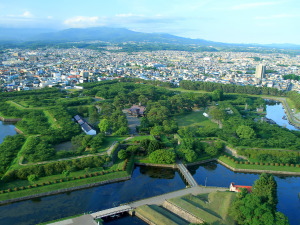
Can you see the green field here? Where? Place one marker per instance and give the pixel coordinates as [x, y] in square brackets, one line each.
[194, 119]
[159, 215]
[212, 207]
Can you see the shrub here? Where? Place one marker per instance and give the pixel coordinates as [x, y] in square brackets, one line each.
[9, 190]
[298, 165]
[266, 164]
[256, 163]
[16, 189]
[272, 164]
[292, 165]
[246, 163]
[287, 164]
[276, 164]
[261, 163]
[281, 164]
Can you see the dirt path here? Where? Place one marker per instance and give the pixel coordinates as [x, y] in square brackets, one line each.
[133, 122]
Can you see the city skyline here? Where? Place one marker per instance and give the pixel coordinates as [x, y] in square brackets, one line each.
[232, 21]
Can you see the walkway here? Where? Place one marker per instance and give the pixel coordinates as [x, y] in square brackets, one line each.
[111, 211]
[187, 175]
[159, 200]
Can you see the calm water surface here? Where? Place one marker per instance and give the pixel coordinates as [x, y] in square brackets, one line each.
[144, 183]
[5, 130]
[288, 187]
[276, 113]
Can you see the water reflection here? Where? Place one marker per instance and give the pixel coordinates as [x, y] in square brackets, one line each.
[6, 129]
[288, 187]
[275, 111]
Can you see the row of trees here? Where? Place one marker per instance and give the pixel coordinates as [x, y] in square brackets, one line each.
[258, 207]
[229, 88]
[57, 167]
[271, 156]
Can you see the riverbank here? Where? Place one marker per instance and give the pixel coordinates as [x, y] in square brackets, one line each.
[59, 188]
[290, 115]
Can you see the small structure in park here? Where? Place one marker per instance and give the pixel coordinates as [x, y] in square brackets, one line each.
[137, 110]
[238, 188]
[85, 126]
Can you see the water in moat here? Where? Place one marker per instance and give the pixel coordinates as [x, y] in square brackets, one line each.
[6, 129]
[276, 113]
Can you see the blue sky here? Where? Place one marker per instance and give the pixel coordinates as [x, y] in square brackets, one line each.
[234, 21]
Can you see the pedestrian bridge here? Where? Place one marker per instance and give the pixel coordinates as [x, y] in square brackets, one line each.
[186, 175]
[111, 211]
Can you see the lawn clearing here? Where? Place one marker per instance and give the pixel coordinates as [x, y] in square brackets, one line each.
[194, 119]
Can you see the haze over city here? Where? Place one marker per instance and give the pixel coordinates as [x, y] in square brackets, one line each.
[231, 21]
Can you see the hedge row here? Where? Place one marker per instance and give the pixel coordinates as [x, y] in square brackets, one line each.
[58, 181]
[261, 163]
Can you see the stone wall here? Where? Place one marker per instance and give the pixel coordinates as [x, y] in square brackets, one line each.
[181, 212]
[13, 120]
[64, 190]
[258, 171]
[157, 165]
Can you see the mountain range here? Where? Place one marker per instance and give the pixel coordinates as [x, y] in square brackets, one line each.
[113, 35]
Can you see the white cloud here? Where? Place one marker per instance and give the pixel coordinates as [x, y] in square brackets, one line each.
[252, 5]
[82, 21]
[278, 16]
[119, 20]
[26, 14]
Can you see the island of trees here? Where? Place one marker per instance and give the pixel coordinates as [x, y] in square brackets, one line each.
[196, 122]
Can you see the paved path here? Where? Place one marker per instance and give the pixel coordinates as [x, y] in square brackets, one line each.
[159, 200]
[187, 175]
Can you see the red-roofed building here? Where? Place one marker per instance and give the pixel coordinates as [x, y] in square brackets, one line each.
[238, 188]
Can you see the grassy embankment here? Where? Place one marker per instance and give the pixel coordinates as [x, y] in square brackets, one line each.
[236, 165]
[212, 208]
[21, 188]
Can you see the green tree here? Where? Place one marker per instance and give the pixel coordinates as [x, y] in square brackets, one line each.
[123, 154]
[32, 177]
[163, 156]
[245, 132]
[104, 125]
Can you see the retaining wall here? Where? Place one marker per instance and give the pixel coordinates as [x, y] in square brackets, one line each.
[181, 212]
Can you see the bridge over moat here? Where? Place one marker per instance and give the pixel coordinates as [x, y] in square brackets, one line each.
[193, 188]
[187, 175]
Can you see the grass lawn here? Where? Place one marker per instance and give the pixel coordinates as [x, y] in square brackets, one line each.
[259, 167]
[108, 141]
[212, 207]
[51, 119]
[139, 138]
[154, 216]
[194, 119]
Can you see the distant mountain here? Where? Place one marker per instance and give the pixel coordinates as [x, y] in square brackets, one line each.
[20, 34]
[116, 35]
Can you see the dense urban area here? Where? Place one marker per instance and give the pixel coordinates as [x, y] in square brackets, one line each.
[23, 69]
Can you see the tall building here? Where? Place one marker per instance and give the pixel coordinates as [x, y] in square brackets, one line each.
[260, 71]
